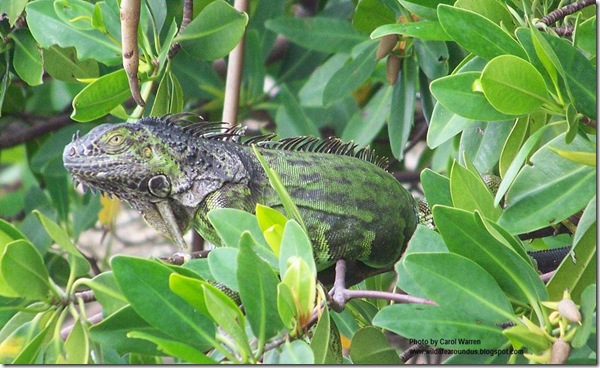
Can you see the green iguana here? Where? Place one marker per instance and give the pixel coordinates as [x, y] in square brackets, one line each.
[174, 171]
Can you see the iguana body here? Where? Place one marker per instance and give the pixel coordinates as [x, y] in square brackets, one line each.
[174, 172]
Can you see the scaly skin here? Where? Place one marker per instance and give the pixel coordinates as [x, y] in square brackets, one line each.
[173, 175]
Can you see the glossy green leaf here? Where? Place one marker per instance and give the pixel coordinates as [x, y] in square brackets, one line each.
[520, 336]
[258, 291]
[440, 327]
[276, 183]
[113, 332]
[177, 349]
[49, 29]
[145, 283]
[585, 36]
[223, 265]
[588, 307]
[492, 10]
[370, 346]
[8, 233]
[447, 280]
[24, 271]
[321, 340]
[366, 123]
[402, 107]
[369, 14]
[296, 352]
[467, 236]
[190, 290]
[302, 284]
[311, 93]
[228, 316]
[470, 193]
[13, 9]
[444, 125]
[63, 64]
[317, 33]
[436, 188]
[287, 307]
[512, 144]
[477, 34]
[456, 93]
[77, 346]
[584, 158]
[106, 292]
[101, 96]
[577, 270]
[27, 58]
[550, 190]
[214, 32]
[230, 223]
[424, 30]
[169, 96]
[30, 353]
[513, 86]
[352, 75]
[295, 242]
[291, 118]
[271, 222]
[433, 58]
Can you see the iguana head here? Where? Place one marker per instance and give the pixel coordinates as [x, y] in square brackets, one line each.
[126, 160]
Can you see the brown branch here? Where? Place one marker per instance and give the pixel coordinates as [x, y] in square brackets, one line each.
[188, 12]
[25, 135]
[558, 14]
[412, 352]
[130, 19]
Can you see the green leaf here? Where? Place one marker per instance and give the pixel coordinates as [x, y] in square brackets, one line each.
[302, 285]
[424, 30]
[27, 58]
[492, 10]
[275, 182]
[444, 125]
[352, 75]
[402, 107]
[24, 271]
[8, 233]
[513, 86]
[223, 265]
[296, 352]
[585, 36]
[478, 34]
[190, 290]
[329, 35]
[169, 96]
[482, 141]
[588, 307]
[471, 194]
[291, 117]
[271, 222]
[446, 278]
[577, 270]
[467, 236]
[180, 350]
[441, 327]
[62, 64]
[366, 123]
[231, 223]
[113, 332]
[228, 316]
[77, 346]
[13, 9]
[311, 93]
[62, 239]
[214, 32]
[321, 338]
[101, 96]
[436, 188]
[106, 292]
[371, 346]
[295, 242]
[550, 190]
[513, 143]
[287, 307]
[520, 336]
[258, 291]
[49, 29]
[370, 14]
[145, 284]
[30, 353]
[433, 58]
[584, 158]
[456, 93]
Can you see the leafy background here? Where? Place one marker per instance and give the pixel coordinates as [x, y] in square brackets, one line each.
[464, 88]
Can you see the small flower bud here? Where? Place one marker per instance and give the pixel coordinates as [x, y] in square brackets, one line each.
[568, 309]
[393, 68]
[386, 44]
[560, 352]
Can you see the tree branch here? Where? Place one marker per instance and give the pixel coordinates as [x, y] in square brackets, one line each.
[25, 135]
[558, 14]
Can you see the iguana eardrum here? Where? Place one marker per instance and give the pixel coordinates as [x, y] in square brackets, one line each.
[173, 172]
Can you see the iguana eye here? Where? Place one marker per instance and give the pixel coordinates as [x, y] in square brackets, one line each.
[115, 140]
[159, 186]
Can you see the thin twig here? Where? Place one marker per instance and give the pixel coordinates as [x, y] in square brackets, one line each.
[25, 135]
[188, 11]
[412, 351]
[398, 298]
[558, 14]
[234, 75]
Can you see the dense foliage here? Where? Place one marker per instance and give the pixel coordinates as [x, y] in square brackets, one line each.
[463, 88]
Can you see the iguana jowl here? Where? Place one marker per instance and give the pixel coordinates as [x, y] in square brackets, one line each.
[174, 172]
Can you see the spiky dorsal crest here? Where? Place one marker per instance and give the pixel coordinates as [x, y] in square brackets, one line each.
[191, 124]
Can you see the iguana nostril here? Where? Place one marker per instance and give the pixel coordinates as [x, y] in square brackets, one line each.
[72, 151]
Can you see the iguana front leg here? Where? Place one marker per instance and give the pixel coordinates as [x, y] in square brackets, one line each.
[166, 219]
[164, 208]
